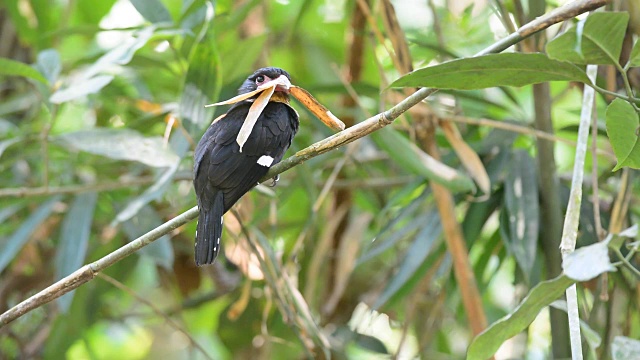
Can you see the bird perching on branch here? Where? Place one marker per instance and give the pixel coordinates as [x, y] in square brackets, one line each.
[240, 146]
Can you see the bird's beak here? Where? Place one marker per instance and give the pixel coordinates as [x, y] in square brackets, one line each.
[281, 83]
[266, 90]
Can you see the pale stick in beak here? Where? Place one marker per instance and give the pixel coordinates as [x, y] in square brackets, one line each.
[316, 108]
[267, 89]
[282, 83]
[254, 113]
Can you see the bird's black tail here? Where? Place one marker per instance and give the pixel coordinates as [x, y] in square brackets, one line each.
[209, 231]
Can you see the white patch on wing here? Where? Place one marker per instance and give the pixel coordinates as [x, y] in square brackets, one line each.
[265, 160]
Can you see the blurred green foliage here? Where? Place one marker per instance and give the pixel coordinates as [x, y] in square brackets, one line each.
[101, 103]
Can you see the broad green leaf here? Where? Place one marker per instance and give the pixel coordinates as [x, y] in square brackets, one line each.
[160, 251]
[622, 127]
[122, 144]
[152, 10]
[11, 246]
[523, 213]
[385, 243]
[624, 348]
[240, 57]
[487, 343]
[588, 262]
[195, 15]
[414, 257]
[201, 86]
[596, 41]
[74, 241]
[16, 68]
[508, 69]
[346, 336]
[615, 241]
[80, 89]
[49, 64]
[390, 235]
[634, 58]
[630, 232]
[4, 144]
[23, 26]
[410, 157]
[120, 55]
[9, 211]
[154, 192]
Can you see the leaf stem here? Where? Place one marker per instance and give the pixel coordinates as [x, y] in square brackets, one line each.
[632, 100]
[626, 262]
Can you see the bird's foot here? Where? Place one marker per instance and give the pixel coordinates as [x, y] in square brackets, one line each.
[274, 181]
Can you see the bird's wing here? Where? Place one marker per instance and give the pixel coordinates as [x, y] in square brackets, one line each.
[220, 166]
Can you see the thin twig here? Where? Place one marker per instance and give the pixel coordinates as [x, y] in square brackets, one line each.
[81, 188]
[73, 189]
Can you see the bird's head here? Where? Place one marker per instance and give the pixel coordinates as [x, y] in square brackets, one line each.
[264, 77]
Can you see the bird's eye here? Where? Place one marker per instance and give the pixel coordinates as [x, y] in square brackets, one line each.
[259, 79]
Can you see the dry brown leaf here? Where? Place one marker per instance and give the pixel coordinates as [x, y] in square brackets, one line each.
[237, 308]
[347, 256]
[240, 254]
[469, 158]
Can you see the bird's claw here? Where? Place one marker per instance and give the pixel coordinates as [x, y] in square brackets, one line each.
[274, 181]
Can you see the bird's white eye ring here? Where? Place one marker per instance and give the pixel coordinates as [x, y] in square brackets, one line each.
[259, 79]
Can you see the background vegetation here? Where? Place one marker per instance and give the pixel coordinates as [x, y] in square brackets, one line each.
[368, 250]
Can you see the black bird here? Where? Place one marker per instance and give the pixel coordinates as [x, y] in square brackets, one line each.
[223, 171]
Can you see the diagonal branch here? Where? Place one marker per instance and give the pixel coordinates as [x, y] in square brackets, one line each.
[366, 127]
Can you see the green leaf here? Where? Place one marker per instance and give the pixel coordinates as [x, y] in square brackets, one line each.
[634, 58]
[152, 10]
[80, 89]
[622, 127]
[508, 69]
[154, 192]
[597, 40]
[16, 68]
[624, 348]
[410, 157]
[588, 262]
[414, 257]
[74, 240]
[49, 64]
[120, 55]
[11, 246]
[487, 343]
[201, 86]
[407, 221]
[4, 144]
[523, 213]
[9, 211]
[122, 144]
[388, 238]
[240, 56]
